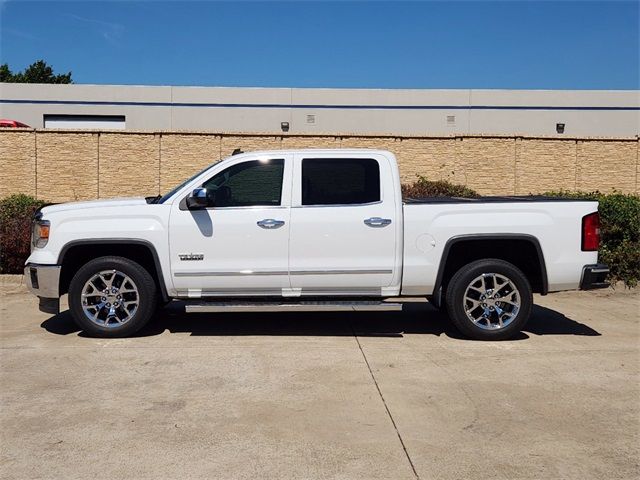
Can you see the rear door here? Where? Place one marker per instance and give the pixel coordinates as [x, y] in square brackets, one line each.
[343, 224]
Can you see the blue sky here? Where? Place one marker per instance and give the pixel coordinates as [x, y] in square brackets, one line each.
[517, 44]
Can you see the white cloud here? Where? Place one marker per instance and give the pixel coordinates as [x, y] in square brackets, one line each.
[111, 32]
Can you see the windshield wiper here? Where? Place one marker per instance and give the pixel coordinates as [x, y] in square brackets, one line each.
[153, 199]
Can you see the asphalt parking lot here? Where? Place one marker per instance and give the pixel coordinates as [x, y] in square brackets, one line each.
[314, 396]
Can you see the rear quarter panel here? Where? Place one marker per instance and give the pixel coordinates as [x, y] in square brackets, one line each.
[556, 225]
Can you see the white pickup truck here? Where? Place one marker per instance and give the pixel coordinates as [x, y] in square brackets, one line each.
[309, 230]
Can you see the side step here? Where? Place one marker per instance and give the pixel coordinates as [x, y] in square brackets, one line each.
[302, 306]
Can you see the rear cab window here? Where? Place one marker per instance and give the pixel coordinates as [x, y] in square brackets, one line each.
[340, 181]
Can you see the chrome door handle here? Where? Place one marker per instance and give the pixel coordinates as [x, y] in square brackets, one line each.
[270, 223]
[377, 222]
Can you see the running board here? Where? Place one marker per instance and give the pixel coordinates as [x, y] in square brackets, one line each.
[309, 306]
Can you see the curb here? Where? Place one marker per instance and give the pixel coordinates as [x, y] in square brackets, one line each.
[14, 280]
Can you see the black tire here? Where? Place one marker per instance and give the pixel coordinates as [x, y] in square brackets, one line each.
[144, 300]
[455, 300]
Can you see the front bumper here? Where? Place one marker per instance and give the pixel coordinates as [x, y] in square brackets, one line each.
[44, 281]
[594, 276]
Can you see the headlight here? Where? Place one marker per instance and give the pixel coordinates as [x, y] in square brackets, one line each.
[40, 233]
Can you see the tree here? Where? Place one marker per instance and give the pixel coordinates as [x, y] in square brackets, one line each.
[5, 74]
[38, 72]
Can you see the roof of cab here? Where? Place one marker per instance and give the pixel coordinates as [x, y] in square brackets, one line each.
[316, 151]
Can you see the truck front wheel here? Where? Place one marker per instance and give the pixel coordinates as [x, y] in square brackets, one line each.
[112, 297]
[489, 300]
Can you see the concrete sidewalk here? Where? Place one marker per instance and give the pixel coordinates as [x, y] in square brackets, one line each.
[341, 395]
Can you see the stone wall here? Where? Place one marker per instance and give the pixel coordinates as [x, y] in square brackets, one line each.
[65, 165]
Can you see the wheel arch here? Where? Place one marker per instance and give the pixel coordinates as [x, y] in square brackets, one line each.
[76, 253]
[463, 249]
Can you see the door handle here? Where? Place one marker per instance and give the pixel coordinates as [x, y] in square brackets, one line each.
[377, 222]
[270, 223]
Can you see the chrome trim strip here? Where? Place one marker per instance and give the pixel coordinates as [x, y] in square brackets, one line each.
[233, 292]
[277, 292]
[332, 292]
[251, 207]
[296, 307]
[600, 270]
[378, 202]
[341, 272]
[240, 273]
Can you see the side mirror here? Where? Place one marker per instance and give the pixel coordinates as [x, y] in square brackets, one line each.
[199, 199]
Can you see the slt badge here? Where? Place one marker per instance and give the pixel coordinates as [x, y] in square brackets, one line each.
[191, 256]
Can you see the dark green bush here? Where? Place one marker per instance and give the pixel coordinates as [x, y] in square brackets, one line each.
[424, 187]
[16, 212]
[619, 230]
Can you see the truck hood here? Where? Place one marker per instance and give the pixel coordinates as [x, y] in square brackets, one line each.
[114, 202]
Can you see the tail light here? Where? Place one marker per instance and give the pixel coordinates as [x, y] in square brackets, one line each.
[591, 232]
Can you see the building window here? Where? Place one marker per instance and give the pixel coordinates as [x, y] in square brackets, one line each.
[98, 122]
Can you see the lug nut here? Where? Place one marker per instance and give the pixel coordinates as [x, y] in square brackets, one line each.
[108, 304]
[104, 299]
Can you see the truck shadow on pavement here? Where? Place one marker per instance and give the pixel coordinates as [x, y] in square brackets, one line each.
[416, 318]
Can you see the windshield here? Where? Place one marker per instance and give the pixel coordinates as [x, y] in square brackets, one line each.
[167, 196]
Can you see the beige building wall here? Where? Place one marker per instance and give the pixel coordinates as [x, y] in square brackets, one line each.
[18, 163]
[328, 111]
[72, 160]
[60, 166]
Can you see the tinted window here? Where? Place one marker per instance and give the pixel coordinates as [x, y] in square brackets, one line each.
[340, 181]
[247, 184]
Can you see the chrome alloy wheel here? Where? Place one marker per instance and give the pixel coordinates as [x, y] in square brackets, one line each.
[110, 298]
[491, 301]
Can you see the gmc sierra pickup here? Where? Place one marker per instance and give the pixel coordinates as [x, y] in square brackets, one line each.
[310, 230]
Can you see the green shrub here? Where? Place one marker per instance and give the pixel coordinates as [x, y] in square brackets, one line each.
[16, 213]
[619, 232]
[423, 187]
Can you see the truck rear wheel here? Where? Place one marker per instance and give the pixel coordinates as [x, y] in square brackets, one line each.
[112, 297]
[489, 300]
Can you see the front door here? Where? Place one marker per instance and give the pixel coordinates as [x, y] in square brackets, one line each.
[238, 246]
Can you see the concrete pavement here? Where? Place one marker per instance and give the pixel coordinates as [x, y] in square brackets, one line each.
[339, 396]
